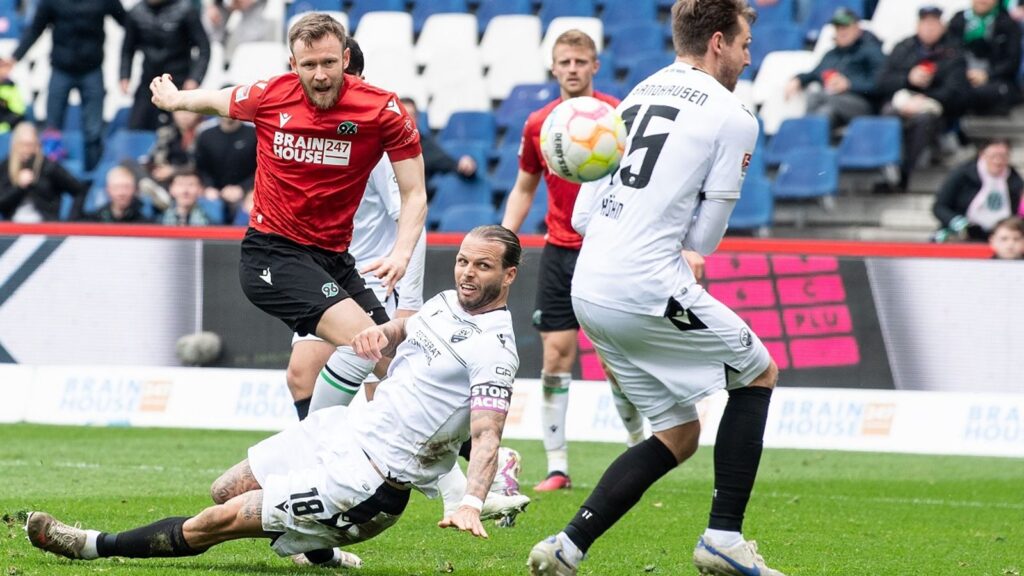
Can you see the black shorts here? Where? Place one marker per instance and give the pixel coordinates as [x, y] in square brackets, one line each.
[553, 309]
[297, 283]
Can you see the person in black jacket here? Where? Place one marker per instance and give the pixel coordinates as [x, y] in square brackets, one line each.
[166, 31]
[76, 62]
[992, 40]
[924, 82]
[31, 184]
[226, 161]
[846, 73]
[124, 206]
[978, 194]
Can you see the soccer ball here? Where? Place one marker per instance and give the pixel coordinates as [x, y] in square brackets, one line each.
[582, 139]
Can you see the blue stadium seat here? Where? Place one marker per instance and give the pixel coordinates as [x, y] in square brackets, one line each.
[454, 190]
[534, 222]
[10, 21]
[470, 127]
[794, 133]
[514, 130]
[5, 144]
[480, 151]
[821, 13]
[756, 205]
[507, 169]
[300, 6]
[643, 67]
[551, 9]
[118, 122]
[524, 98]
[465, 218]
[128, 145]
[619, 15]
[772, 36]
[781, 11]
[360, 7]
[634, 40]
[490, 8]
[423, 10]
[871, 142]
[807, 172]
[215, 210]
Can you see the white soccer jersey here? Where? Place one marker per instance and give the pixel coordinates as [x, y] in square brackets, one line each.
[689, 138]
[420, 415]
[375, 228]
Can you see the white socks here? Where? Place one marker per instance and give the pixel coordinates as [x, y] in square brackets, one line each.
[555, 407]
[723, 538]
[89, 551]
[339, 381]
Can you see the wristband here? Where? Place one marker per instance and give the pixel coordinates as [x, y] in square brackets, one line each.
[473, 502]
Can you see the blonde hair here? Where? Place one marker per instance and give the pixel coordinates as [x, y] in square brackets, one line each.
[14, 165]
[315, 26]
[577, 39]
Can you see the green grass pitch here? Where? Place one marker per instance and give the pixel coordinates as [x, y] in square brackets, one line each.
[813, 512]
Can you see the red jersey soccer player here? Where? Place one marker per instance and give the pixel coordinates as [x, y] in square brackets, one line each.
[319, 135]
[574, 65]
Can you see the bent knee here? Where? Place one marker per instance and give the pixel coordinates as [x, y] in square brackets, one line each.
[300, 379]
[769, 378]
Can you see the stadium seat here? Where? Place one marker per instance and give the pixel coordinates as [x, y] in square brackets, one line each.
[645, 66]
[755, 207]
[773, 36]
[508, 34]
[591, 26]
[255, 61]
[454, 190]
[534, 222]
[383, 29]
[769, 86]
[635, 40]
[871, 142]
[465, 218]
[523, 100]
[5, 144]
[490, 9]
[469, 96]
[476, 127]
[128, 145]
[480, 152]
[551, 9]
[299, 7]
[810, 172]
[424, 10]
[620, 18]
[895, 20]
[74, 144]
[118, 122]
[776, 12]
[448, 73]
[214, 209]
[359, 8]
[507, 169]
[821, 12]
[445, 34]
[215, 71]
[519, 67]
[806, 131]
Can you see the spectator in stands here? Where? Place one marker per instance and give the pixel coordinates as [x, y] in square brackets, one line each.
[167, 32]
[31, 185]
[12, 106]
[225, 157]
[186, 211]
[846, 73]
[175, 146]
[435, 159]
[76, 62]
[1015, 8]
[978, 194]
[124, 205]
[253, 25]
[924, 82]
[992, 44]
[1007, 239]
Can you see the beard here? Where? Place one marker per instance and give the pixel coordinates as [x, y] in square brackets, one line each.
[729, 75]
[322, 100]
[486, 294]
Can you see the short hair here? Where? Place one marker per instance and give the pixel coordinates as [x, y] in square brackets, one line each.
[315, 26]
[983, 144]
[186, 172]
[577, 39]
[1010, 223]
[120, 168]
[513, 255]
[694, 22]
[356, 61]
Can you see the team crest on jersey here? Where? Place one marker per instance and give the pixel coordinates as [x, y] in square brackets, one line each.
[746, 339]
[461, 335]
[348, 128]
[329, 289]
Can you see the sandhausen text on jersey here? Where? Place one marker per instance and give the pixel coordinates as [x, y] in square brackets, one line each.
[312, 150]
[686, 93]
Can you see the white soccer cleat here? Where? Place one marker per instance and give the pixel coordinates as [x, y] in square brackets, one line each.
[342, 559]
[48, 533]
[549, 558]
[739, 560]
[500, 506]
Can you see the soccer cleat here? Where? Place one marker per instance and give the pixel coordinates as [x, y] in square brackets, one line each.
[506, 481]
[54, 536]
[549, 558]
[554, 481]
[342, 559]
[739, 560]
[500, 506]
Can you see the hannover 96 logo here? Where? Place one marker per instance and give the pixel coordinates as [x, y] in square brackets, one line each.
[330, 290]
[347, 128]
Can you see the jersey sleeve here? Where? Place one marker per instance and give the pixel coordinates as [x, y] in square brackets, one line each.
[410, 287]
[529, 155]
[398, 131]
[387, 185]
[246, 99]
[495, 360]
[733, 148]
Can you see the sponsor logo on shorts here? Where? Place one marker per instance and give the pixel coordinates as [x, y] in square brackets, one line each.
[746, 338]
[461, 335]
[347, 128]
[329, 289]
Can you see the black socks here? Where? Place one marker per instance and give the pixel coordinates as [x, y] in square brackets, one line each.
[161, 539]
[738, 454]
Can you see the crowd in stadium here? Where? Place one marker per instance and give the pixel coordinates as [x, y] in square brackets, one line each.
[875, 89]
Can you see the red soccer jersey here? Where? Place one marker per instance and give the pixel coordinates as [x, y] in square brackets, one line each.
[312, 165]
[561, 193]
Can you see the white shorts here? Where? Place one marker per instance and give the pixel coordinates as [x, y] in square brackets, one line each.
[666, 366]
[390, 306]
[318, 495]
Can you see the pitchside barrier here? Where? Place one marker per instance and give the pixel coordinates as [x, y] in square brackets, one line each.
[882, 347]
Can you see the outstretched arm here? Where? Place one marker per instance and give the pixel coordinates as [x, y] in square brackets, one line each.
[381, 341]
[167, 96]
[413, 189]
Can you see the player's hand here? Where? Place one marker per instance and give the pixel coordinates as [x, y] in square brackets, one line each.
[696, 262]
[389, 269]
[165, 93]
[370, 343]
[465, 519]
